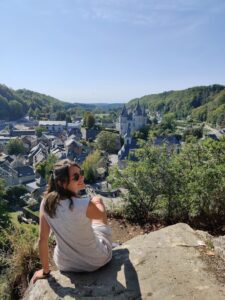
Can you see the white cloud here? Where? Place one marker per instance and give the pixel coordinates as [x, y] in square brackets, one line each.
[153, 13]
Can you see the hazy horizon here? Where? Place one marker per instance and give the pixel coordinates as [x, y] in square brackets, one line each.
[109, 102]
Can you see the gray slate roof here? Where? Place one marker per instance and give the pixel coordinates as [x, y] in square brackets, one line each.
[24, 171]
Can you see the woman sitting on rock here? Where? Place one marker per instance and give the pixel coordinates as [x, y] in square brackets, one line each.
[83, 238]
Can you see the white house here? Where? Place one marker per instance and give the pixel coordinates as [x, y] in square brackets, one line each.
[53, 126]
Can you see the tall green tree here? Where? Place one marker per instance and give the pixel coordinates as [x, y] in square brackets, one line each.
[46, 166]
[169, 121]
[108, 141]
[13, 194]
[90, 166]
[39, 130]
[89, 120]
[15, 147]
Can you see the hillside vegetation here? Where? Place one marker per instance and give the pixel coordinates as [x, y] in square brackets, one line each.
[15, 104]
[204, 103]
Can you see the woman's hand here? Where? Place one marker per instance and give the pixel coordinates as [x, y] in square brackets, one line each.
[39, 275]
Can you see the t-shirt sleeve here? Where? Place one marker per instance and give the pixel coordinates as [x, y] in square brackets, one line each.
[81, 205]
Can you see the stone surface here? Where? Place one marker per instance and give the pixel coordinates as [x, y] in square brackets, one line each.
[219, 246]
[162, 265]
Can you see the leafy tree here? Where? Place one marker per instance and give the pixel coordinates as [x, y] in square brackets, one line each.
[16, 109]
[89, 120]
[194, 132]
[142, 133]
[68, 118]
[4, 107]
[169, 121]
[108, 141]
[13, 194]
[39, 130]
[15, 147]
[61, 116]
[90, 166]
[31, 112]
[200, 113]
[4, 218]
[46, 166]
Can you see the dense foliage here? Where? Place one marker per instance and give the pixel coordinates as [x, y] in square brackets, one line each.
[90, 166]
[46, 166]
[108, 141]
[13, 195]
[89, 120]
[4, 218]
[15, 104]
[187, 186]
[15, 147]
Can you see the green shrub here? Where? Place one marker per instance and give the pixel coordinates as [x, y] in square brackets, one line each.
[187, 186]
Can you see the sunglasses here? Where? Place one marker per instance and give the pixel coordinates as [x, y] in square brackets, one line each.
[76, 176]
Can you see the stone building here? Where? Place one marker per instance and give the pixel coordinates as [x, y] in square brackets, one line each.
[133, 120]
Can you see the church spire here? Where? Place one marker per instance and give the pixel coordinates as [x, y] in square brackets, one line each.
[124, 112]
[138, 111]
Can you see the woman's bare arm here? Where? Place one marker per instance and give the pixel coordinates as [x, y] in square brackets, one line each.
[96, 210]
[44, 231]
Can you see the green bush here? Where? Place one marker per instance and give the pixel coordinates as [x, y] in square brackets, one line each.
[13, 194]
[187, 186]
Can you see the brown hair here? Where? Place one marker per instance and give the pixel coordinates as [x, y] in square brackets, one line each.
[55, 190]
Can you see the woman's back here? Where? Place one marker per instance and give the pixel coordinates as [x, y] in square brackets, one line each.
[81, 244]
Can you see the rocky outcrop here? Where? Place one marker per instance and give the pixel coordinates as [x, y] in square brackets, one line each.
[219, 246]
[162, 265]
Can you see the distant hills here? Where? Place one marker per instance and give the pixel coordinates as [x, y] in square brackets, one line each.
[203, 103]
[15, 104]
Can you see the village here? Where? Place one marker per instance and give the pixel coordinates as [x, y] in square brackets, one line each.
[59, 139]
[46, 139]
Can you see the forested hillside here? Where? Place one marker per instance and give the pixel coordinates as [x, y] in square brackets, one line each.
[15, 104]
[204, 103]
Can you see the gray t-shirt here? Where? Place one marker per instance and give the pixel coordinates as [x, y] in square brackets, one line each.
[81, 245]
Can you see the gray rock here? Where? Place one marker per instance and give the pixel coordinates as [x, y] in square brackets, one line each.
[162, 265]
[219, 246]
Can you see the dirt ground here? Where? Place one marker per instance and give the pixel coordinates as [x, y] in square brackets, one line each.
[123, 231]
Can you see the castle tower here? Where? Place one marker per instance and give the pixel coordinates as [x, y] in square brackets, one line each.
[138, 117]
[123, 118]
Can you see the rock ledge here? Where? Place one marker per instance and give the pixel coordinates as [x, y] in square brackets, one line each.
[162, 265]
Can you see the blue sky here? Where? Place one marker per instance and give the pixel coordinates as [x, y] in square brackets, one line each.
[111, 50]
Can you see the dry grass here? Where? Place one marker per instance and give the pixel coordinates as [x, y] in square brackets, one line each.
[22, 260]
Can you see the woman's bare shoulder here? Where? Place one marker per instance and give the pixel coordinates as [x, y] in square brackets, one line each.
[96, 199]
